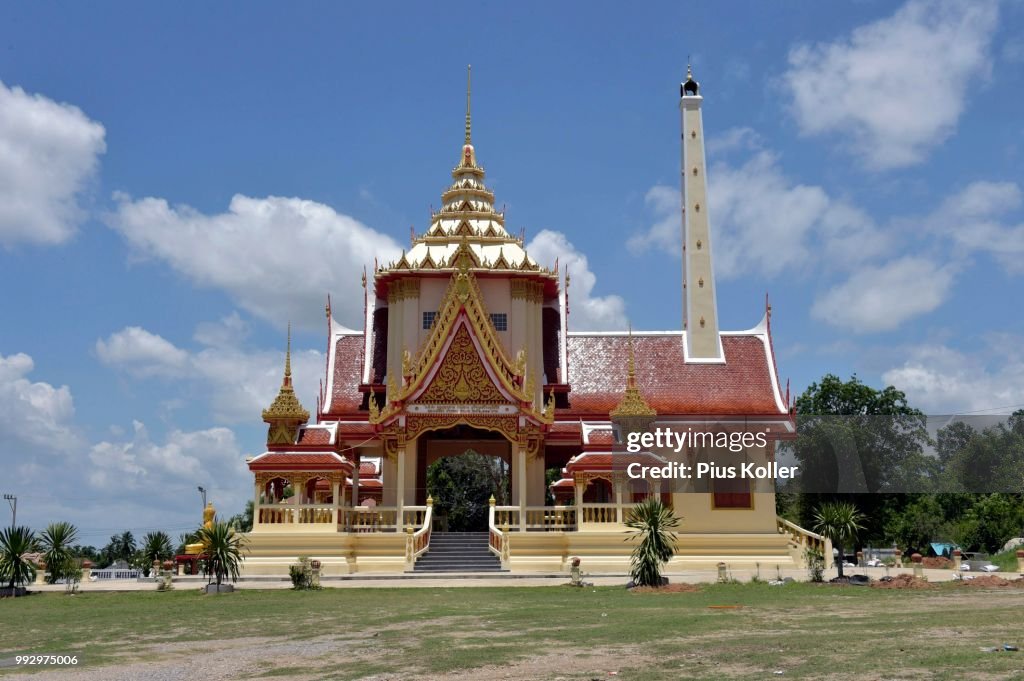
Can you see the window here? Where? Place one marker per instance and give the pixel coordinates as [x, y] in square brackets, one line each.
[500, 321]
[428, 319]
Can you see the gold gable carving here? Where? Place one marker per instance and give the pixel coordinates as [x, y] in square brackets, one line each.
[462, 376]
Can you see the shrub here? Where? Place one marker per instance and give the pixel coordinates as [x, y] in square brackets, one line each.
[302, 575]
[15, 568]
[815, 565]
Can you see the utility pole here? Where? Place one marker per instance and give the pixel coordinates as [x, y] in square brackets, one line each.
[13, 502]
[202, 490]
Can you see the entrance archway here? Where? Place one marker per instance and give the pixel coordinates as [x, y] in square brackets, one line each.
[461, 468]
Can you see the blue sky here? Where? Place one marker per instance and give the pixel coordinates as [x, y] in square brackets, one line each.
[177, 183]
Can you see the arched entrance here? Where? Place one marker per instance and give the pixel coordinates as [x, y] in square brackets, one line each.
[461, 467]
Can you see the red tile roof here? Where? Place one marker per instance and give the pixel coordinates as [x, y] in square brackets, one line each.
[743, 385]
[367, 468]
[310, 461]
[345, 397]
[314, 436]
[606, 461]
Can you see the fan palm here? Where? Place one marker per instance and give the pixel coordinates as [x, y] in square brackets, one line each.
[223, 549]
[56, 542]
[839, 521]
[15, 568]
[654, 522]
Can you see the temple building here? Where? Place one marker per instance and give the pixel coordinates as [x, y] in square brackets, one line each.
[467, 345]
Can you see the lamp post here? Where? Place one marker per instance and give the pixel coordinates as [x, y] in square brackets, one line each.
[13, 502]
[202, 490]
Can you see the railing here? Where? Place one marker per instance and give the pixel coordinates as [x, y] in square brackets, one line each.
[550, 518]
[599, 513]
[413, 515]
[800, 540]
[286, 514]
[115, 574]
[369, 519]
[418, 542]
[498, 539]
[506, 516]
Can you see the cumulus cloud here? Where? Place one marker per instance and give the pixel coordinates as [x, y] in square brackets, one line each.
[895, 88]
[34, 413]
[976, 220]
[942, 380]
[48, 154]
[587, 311]
[276, 257]
[765, 222]
[880, 298]
[238, 381]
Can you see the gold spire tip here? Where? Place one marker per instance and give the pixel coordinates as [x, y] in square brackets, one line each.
[469, 120]
[288, 354]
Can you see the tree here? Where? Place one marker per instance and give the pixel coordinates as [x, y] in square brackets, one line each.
[223, 548]
[840, 522]
[243, 521]
[56, 542]
[184, 539]
[861, 445]
[993, 520]
[462, 486]
[654, 523]
[156, 547]
[15, 567]
[919, 523]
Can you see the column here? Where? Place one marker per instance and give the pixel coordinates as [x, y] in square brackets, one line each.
[400, 487]
[256, 505]
[617, 483]
[578, 486]
[355, 483]
[336, 498]
[520, 475]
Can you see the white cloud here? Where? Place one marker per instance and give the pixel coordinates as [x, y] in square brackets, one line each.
[941, 380]
[237, 381]
[48, 154]
[34, 413]
[974, 219]
[276, 257]
[880, 298]
[142, 353]
[586, 311]
[764, 222]
[895, 88]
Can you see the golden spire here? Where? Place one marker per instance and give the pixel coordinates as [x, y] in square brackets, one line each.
[632, 403]
[286, 406]
[288, 358]
[469, 120]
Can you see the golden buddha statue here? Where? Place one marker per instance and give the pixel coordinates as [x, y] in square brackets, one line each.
[208, 515]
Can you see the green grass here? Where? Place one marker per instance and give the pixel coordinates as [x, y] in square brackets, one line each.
[549, 632]
[1007, 560]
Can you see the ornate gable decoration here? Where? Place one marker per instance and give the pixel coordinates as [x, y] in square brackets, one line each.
[461, 377]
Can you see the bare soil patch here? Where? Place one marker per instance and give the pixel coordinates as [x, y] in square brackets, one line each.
[903, 582]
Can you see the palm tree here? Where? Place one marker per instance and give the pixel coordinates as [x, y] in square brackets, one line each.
[56, 542]
[223, 548]
[184, 539]
[654, 522]
[840, 522]
[124, 545]
[15, 568]
[156, 546]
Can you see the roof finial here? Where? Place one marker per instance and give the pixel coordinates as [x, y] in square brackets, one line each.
[288, 358]
[469, 121]
[689, 71]
[631, 365]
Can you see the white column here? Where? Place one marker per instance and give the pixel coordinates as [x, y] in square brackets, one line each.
[400, 488]
[336, 498]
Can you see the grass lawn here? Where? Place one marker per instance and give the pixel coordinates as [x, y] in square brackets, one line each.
[803, 630]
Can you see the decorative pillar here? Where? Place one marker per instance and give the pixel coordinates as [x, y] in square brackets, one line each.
[1020, 562]
[336, 498]
[355, 483]
[918, 569]
[957, 560]
[520, 458]
[400, 485]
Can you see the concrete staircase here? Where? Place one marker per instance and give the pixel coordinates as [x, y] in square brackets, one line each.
[458, 552]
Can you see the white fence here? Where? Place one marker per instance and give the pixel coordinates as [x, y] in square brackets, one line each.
[116, 574]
